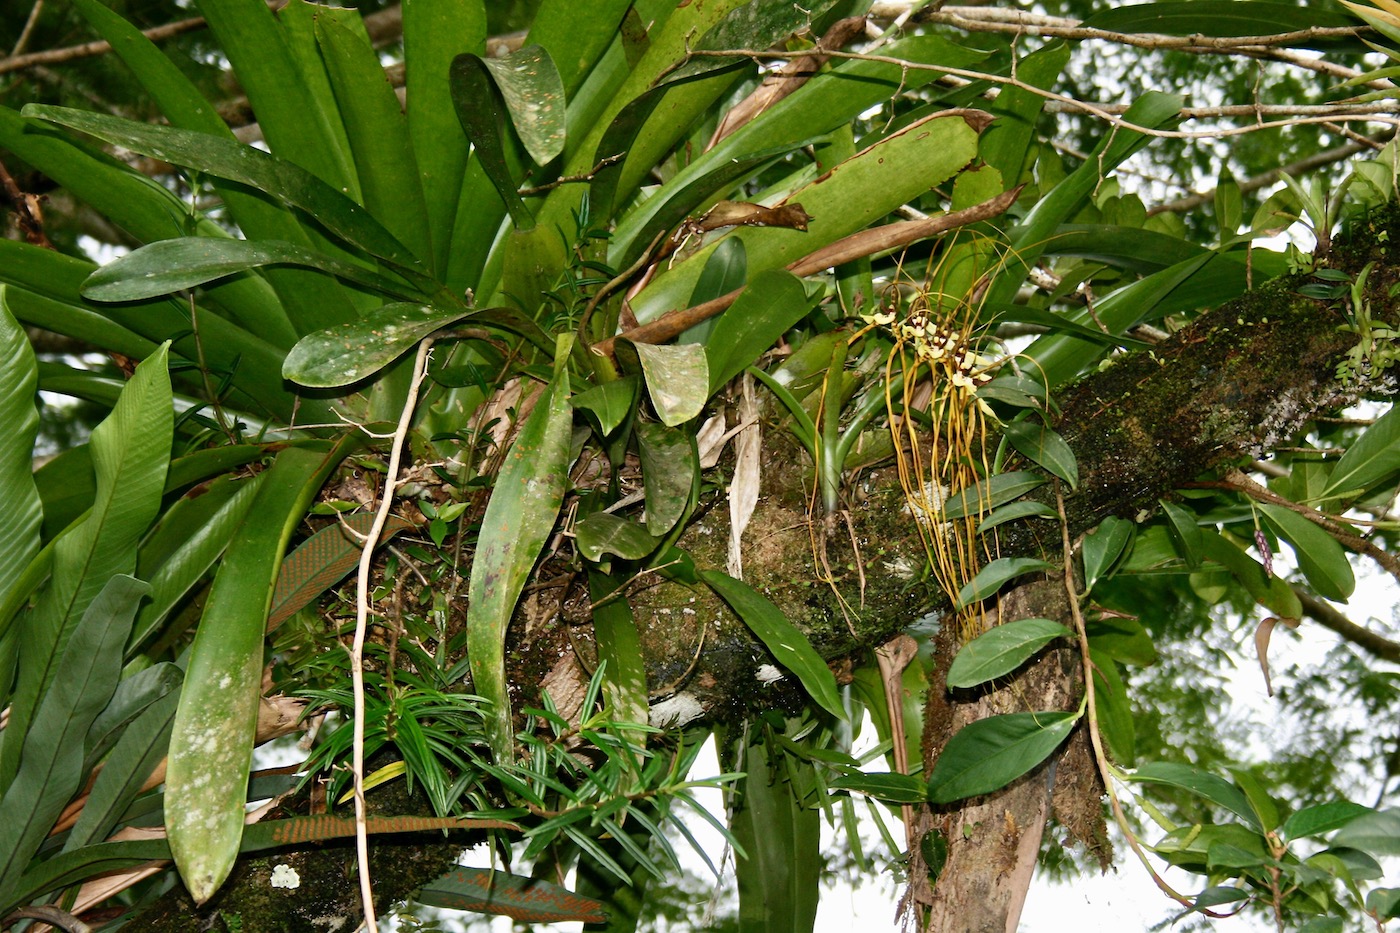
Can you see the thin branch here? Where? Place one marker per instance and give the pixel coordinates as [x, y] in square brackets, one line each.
[28, 30]
[856, 246]
[357, 671]
[90, 49]
[1271, 177]
[1329, 616]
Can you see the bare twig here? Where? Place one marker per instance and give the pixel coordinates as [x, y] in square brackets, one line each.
[386, 504]
[90, 49]
[857, 245]
[28, 30]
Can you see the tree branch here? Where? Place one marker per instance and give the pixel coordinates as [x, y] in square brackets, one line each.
[1327, 615]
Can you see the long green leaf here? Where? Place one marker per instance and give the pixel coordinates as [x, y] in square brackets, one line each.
[990, 753]
[854, 194]
[19, 425]
[625, 687]
[378, 135]
[993, 576]
[277, 177]
[51, 764]
[1203, 784]
[519, 517]
[788, 645]
[774, 301]
[1374, 456]
[1319, 555]
[211, 745]
[1322, 818]
[778, 881]
[434, 31]
[1043, 446]
[1001, 650]
[348, 353]
[171, 265]
[130, 452]
[497, 892]
[482, 113]
[311, 300]
[998, 489]
[1221, 18]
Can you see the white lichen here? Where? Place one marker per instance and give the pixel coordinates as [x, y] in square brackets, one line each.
[285, 876]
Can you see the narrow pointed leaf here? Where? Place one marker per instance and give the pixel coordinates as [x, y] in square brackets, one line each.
[172, 265]
[1103, 546]
[51, 764]
[211, 746]
[22, 516]
[482, 112]
[1042, 445]
[774, 301]
[497, 892]
[1000, 651]
[788, 645]
[1374, 456]
[519, 518]
[993, 576]
[236, 162]
[999, 489]
[1322, 818]
[348, 353]
[1201, 783]
[990, 753]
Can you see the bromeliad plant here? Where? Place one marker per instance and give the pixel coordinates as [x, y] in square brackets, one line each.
[450, 322]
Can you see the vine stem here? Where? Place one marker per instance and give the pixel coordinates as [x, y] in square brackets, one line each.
[357, 655]
[1095, 740]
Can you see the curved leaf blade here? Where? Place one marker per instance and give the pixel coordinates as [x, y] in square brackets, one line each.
[791, 648]
[490, 891]
[1374, 456]
[173, 265]
[22, 516]
[1000, 651]
[519, 517]
[347, 353]
[1320, 556]
[990, 753]
[1042, 445]
[211, 744]
[991, 577]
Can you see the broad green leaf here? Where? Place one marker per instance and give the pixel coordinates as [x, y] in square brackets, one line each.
[990, 753]
[172, 265]
[492, 891]
[133, 696]
[1273, 592]
[852, 196]
[788, 645]
[51, 764]
[533, 93]
[1383, 903]
[1006, 142]
[19, 425]
[519, 518]
[998, 489]
[130, 452]
[993, 576]
[311, 300]
[601, 534]
[1046, 448]
[1185, 532]
[348, 353]
[1221, 18]
[1123, 640]
[1203, 784]
[1103, 546]
[434, 31]
[378, 134]
[1219, 894]
[1014, 512]
[891, 788]
[1319, 555]
[1376, 833]
[829, 100]
[277, 177]
[778, 881]
[620, 649]
[677, 378]
[609, 403]
[1372, 458]
[1260, 799]
[124, 773]
[773, 302]
[670, 474]
[1322, 818]
[1112, 709]
[1002, 650]
[322, 561]
[482, 114]
[1061, 324]
[727, 269]
[210, 747]
[288, 89]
